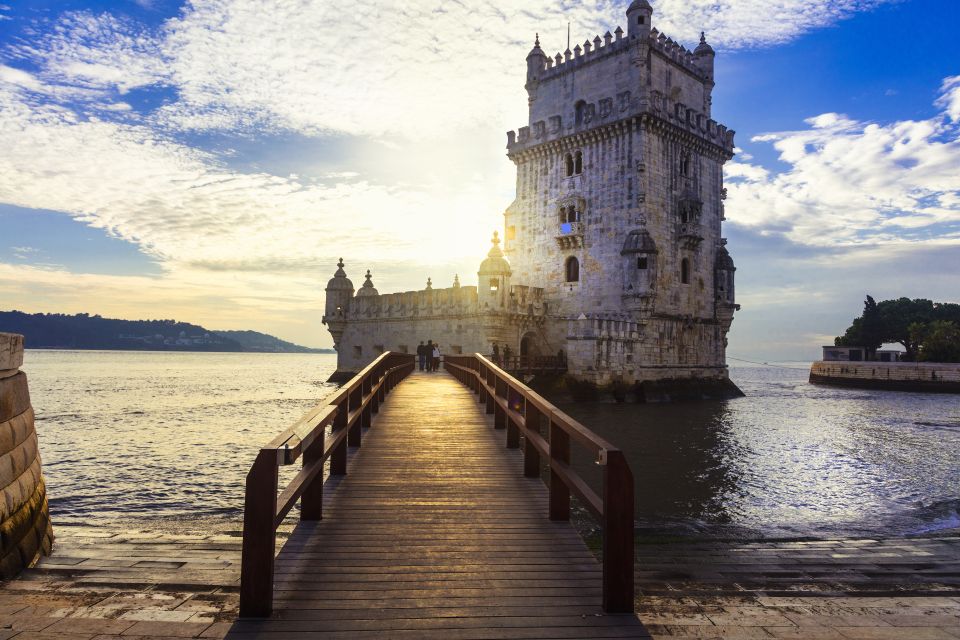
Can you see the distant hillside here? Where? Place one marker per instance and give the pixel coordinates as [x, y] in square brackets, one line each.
[256, 341]
[83, 331]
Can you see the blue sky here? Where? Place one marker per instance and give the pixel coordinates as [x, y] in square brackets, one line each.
[198, 161]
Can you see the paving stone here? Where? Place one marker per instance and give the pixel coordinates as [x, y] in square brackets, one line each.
[895, 633]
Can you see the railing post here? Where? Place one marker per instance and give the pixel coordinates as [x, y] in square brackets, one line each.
[488, 374]
[481, 389]
[515, 402]
[617, 525]
[367, 412]
[311, 502]
[259, 538]
[353, 436]
[499, 415]
[375, 400]
[559, 492]
[338, 457]
[531, 457]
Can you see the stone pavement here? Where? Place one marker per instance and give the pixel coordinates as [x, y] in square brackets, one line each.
[131, 584]
[135, 585]
[855, 589]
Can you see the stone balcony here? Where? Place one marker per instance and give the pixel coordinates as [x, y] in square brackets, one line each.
[570, 235]
[689, 234]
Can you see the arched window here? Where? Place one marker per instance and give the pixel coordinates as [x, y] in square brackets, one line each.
[685, 164]
[580, 107]
[685, 271]
[572, 269]
[578, 163]
[494, 284]
[568, 160]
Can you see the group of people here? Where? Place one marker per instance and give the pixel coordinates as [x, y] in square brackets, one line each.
[429, 356]
[506, 354]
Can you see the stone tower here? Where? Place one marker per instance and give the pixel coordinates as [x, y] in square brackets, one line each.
[619, 205]
[339, 294]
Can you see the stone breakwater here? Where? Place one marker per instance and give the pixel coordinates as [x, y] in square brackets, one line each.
[25, 529]
[931, 377]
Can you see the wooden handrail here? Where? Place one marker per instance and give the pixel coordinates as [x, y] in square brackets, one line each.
[348, 411]
[521, 412]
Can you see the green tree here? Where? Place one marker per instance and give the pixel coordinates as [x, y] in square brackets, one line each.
[867, 331]
[939, 341]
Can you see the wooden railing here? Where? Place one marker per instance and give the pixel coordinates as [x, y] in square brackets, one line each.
[530, 364]
[522, 412]
[348, 411]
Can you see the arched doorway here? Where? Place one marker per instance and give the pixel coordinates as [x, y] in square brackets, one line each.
[529, 349]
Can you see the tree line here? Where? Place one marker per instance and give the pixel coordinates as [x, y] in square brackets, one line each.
[929, 331]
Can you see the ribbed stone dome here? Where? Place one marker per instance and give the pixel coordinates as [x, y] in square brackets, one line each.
[639, 4]
[367, 289]
[495, 264]
[340, 281]
[638, 241]
[703, 48]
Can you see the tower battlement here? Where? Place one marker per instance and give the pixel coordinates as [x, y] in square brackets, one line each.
[620, 77]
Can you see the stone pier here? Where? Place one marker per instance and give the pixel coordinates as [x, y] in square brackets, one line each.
[25, 530]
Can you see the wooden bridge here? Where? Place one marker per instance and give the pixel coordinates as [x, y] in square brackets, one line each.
[439, 530]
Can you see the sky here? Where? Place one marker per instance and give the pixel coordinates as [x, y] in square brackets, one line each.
[210, 161]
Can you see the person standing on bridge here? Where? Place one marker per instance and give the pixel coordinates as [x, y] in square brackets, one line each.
[428, 355]
[436, 357]
[422, 355]
[506, 356]
[496, 354]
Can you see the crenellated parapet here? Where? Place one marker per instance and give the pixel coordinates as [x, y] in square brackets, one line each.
[646, 90]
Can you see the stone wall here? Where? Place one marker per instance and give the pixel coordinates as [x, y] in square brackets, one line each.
[25, 529]
[895, 376]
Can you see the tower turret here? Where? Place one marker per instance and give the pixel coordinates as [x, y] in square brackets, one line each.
[494, 277]
[703, 56]
[536, 64]
[367, 290]
[639, 15]
[339, 293]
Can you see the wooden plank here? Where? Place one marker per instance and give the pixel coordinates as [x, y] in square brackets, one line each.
[436, 532]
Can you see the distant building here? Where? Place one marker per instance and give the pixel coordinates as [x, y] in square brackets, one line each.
[612, 250]
[859, 354]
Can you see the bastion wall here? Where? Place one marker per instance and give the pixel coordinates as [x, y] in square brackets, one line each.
[25, 529]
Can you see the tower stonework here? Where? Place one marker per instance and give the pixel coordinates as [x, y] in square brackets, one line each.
[612, 249]
[620, 171]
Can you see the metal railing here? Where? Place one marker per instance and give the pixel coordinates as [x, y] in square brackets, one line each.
[348, 411]
[522, 412]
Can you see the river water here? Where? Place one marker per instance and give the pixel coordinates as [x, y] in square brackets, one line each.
[164, 440]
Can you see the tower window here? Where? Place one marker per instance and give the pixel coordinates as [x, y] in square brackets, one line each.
[578, 163]
[572, 269]
[639, 19]
[494, 284]
[685, 164]
[580, 108]
[641, 262]
[685, 271]
[568, 161]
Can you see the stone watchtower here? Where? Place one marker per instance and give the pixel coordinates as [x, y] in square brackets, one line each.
[339, 294]
[619, 206]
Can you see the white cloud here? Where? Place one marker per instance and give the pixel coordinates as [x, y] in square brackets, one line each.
[187, 210]
[753, 23]
[853, 182]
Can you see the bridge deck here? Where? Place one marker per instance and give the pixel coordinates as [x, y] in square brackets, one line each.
[435, 533]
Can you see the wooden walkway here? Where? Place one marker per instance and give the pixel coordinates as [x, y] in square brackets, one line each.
[435, 533]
